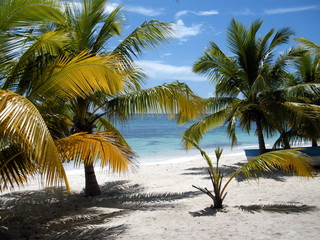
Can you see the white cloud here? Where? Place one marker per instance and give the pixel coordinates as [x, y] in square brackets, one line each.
[181, 13]
[162, 71]
[200, 13]
[181, 30]
[289, 10]
[150, 12]
[207, 13]
[244, 12]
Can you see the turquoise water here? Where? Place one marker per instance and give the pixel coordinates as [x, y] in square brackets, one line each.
[156, 138]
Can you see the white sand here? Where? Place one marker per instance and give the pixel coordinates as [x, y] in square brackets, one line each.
[159, 202]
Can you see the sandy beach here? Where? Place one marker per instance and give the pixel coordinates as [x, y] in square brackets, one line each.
[159, 202]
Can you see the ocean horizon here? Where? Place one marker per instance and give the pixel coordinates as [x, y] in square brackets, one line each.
[157, 138]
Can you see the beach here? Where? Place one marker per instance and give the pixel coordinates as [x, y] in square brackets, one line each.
[158, 202]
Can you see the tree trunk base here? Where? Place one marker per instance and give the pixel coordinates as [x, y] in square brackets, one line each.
[314, 143]
[92, 188]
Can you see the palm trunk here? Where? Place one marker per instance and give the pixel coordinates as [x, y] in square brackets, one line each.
[82, 125]
[314, 143]
[92, 188]
[262, 145]
[286, 143]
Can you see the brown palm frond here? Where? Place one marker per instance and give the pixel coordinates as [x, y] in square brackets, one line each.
[90, 148]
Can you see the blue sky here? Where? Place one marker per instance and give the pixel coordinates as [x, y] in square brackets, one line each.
[197, 22]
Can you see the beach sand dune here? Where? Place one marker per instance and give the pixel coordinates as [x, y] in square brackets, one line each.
[159, 202]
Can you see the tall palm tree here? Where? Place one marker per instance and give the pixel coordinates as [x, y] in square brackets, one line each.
[89, 28]
[41, 72]
[247, 84]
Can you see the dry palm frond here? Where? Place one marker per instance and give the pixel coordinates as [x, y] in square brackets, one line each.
[90, 148]
[23, 126]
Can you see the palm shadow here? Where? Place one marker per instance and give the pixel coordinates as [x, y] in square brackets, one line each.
[285, 208]
[50, 214]
[207, 212]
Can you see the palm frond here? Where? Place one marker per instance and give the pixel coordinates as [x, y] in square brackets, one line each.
[15, 167]
[230, 112]
[22, 125]
[14, 13]
[202, 152]
[48, 46]
[291, 161]
[104, 124]
[306, 116]
[83, 75]
[282, 36]
[310, 45]
[301, 90]
[215, 104]
[197, 130]
[146, 36]
[103, 147]
[278, 70]
[214, 63]
[174, 98]
[110, 28]
[263, 46]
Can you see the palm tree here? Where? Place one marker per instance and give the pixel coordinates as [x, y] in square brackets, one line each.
[26, 146]
[248, 85]
[90, 29]
[291, 161]
[43, 74]
[307, 74]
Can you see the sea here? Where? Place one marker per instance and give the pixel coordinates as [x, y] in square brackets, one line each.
[157, 138]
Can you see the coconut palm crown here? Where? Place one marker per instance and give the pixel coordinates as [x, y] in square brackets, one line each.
[248, 84]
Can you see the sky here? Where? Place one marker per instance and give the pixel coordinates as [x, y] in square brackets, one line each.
[197, 22]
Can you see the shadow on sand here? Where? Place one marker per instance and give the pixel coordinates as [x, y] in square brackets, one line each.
[209, 211]
[286, 208]
[50, 214]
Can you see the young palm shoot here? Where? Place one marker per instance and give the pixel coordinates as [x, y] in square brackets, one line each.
[290, 160]
[216, 178]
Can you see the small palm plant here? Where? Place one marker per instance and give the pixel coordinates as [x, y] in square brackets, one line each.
[291, 160]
